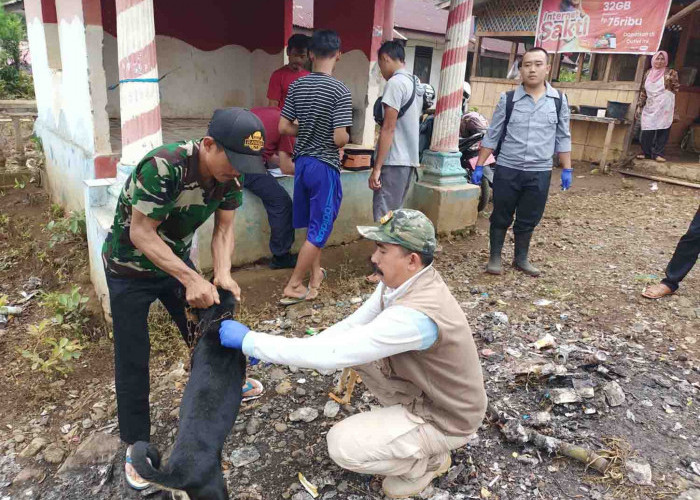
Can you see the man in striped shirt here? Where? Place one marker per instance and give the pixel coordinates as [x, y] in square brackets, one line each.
[322, 106]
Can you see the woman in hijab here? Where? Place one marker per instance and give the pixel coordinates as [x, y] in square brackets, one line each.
[656, 102]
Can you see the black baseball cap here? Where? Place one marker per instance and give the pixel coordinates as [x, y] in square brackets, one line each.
[242, 135]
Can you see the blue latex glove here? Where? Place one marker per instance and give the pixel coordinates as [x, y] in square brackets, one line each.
[232, 333]
[477, 174]
[253, 361]
[566, 178]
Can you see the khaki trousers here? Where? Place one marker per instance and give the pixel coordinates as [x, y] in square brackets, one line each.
[390, 441]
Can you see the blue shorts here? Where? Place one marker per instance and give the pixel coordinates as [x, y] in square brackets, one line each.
[317, 197]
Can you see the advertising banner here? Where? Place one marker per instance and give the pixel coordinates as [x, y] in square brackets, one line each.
[618, 27]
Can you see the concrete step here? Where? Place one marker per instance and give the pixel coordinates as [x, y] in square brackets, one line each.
[683, 171]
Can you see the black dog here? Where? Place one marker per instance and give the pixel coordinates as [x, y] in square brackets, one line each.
[207, 413]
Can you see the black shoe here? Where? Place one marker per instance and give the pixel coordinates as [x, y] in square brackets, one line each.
[286, 261]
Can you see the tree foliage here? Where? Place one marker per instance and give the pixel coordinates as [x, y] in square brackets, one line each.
[15, 83]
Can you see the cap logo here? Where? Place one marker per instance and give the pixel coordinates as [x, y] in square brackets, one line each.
[255, 141]
[389, 215]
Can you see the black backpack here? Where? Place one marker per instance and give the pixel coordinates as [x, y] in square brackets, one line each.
[379, 109]
[509, 111]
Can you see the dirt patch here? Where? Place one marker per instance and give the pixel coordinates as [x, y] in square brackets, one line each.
[598, 245]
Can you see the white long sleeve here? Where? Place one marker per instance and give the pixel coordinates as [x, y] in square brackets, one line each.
[351, 342]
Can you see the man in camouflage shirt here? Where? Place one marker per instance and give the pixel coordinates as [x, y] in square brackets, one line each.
[172, 191]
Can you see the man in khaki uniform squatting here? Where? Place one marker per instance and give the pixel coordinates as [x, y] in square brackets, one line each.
[414, 349]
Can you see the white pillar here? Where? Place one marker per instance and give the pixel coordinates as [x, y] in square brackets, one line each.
[138, 78]
[454, 65]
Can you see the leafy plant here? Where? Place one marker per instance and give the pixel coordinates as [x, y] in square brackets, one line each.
[57, 211]
[63, 228]
[68, 308]
[4, 219]
[19, 184]
[57, 356]
[15, 83]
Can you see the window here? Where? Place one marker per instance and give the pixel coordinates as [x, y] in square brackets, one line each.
[422, 63]
[624, 67]
[598, 70]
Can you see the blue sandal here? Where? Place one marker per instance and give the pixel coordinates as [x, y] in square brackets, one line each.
[134, 480]
[251, 384]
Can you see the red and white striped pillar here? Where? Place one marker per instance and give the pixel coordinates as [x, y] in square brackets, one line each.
[441, 164]
[448, 111]
[138, 80]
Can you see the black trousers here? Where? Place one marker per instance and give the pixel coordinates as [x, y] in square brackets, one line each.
[519, 193]
[130, 300]
[654, 142]
[685, 256]
[278, 206]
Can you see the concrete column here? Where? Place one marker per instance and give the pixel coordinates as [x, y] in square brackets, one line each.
[442, 161]
[388, 29]
[138, 79]
[443, 193]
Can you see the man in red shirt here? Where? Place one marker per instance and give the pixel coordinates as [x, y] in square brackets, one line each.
[281, 79]
[277, 152]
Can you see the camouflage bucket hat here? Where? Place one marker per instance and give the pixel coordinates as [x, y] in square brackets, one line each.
[410, 229]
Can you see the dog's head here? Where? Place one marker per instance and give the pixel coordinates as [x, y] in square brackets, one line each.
[204, 319]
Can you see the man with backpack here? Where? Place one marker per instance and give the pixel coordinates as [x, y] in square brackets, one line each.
[530, 124]
[397, 148]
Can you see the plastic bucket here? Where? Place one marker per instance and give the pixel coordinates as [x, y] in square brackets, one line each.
[617, 109]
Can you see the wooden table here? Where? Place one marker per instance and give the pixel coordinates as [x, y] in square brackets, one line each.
[608, 134]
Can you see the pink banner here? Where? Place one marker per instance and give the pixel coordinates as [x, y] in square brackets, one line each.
[619, 27]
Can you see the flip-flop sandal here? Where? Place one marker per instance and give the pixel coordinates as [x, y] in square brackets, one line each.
[661, 292]
[290, 301]
[315, 290]
[137, 483]
[250, 385]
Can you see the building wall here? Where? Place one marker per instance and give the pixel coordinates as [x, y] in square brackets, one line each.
[438, 46]
[68, 82]
[196, 81]
[687, 110]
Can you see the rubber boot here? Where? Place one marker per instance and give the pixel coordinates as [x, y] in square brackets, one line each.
[496, 238]
[522, 248]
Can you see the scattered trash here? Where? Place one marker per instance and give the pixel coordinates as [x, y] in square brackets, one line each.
[564, 396]
[10, 310]
[500, 317]
[539, 419]
[543, 302]
[561, 355]
[514, 352]
[514, 432]
[584, 387]
[654, 187]
[311, 331]
[630, 416]
[638, 471]
[547, 341]
[614, 393]
[313, 490]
